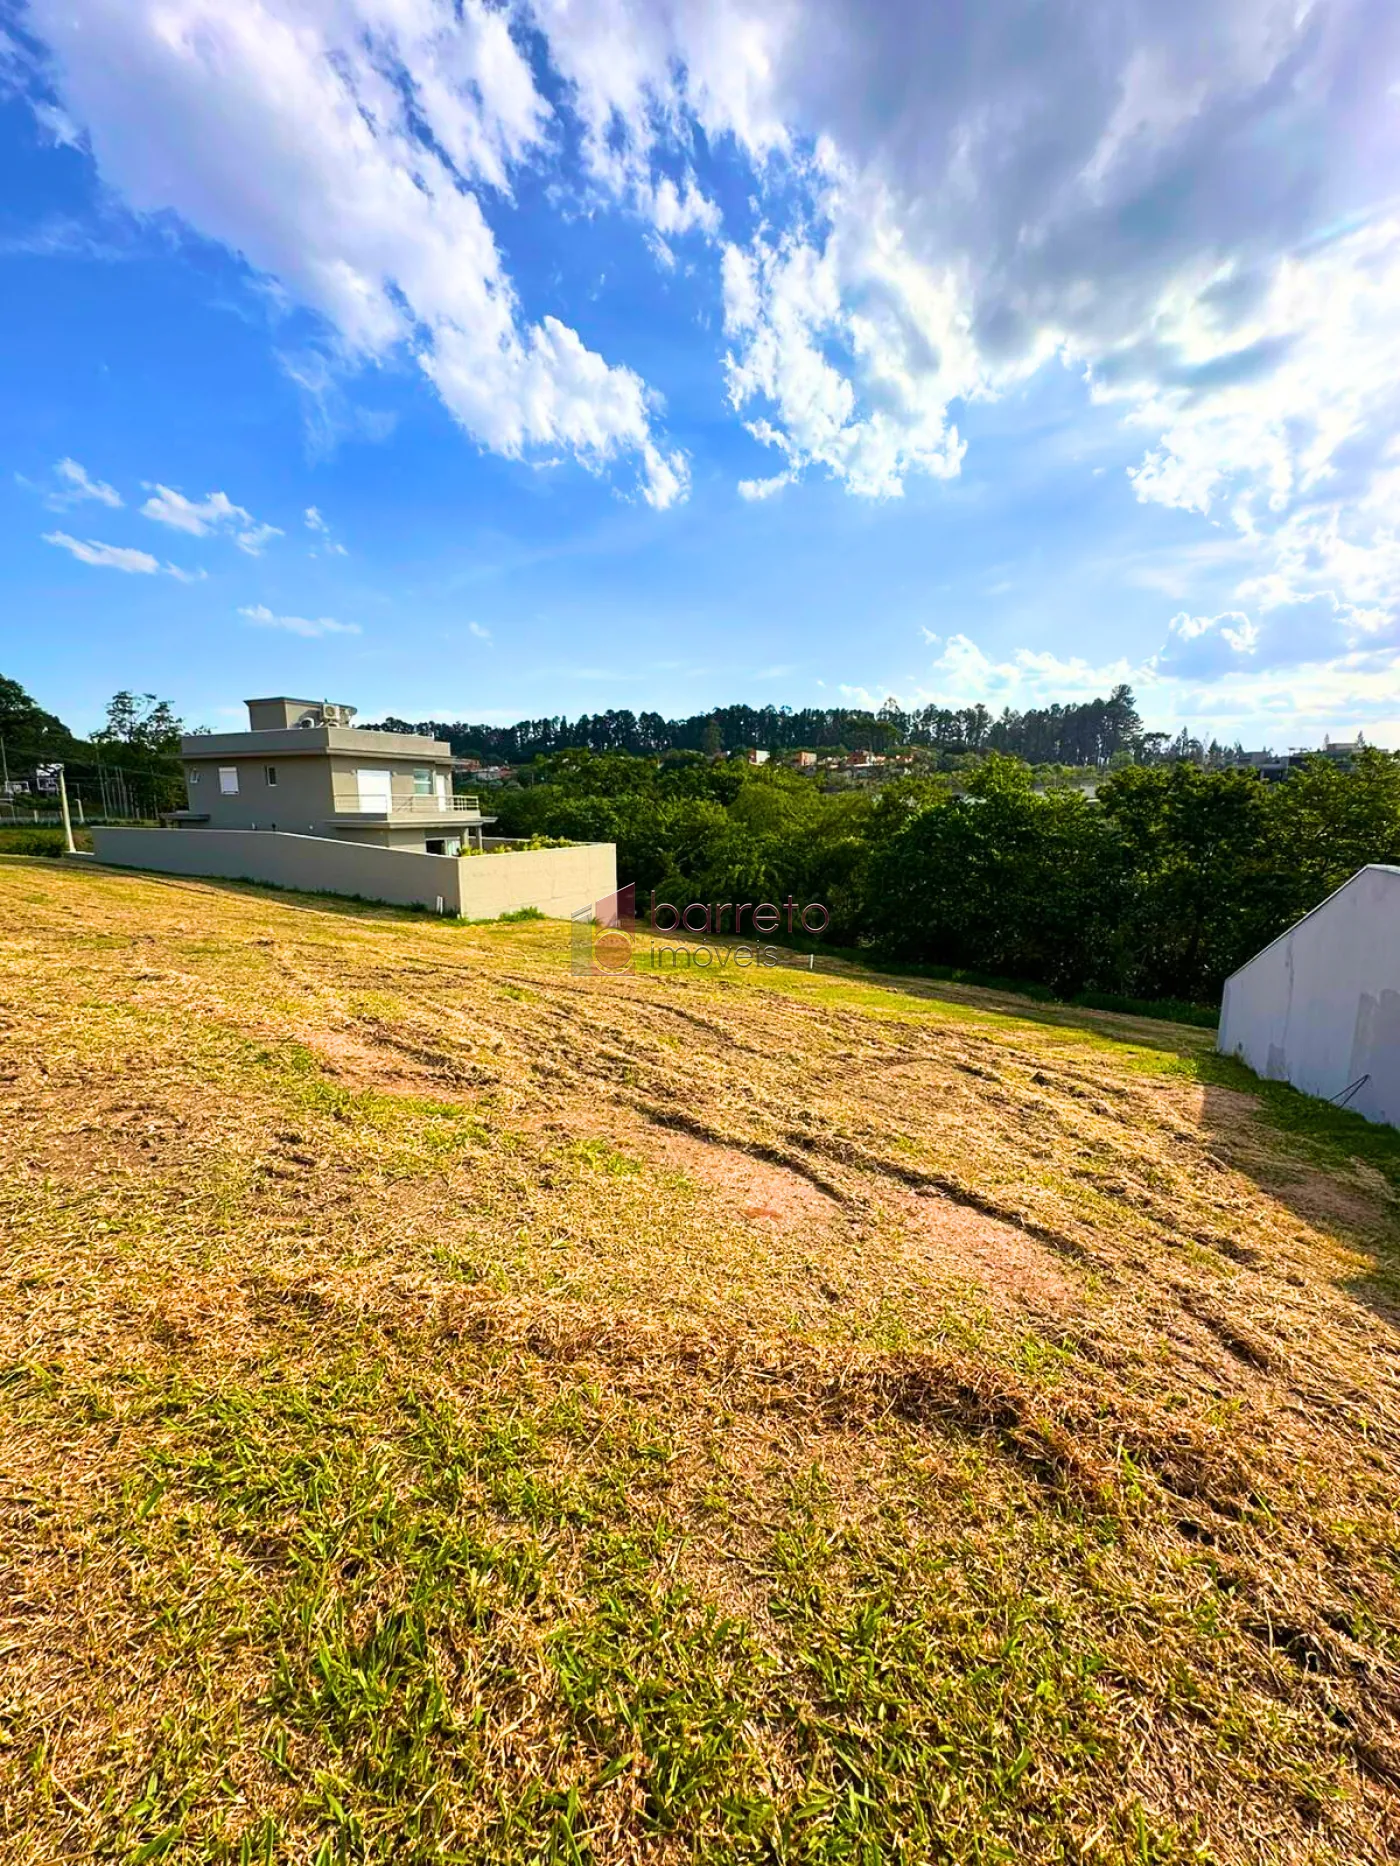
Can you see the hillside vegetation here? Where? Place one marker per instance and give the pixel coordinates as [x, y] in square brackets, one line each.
[455, 1410]
[1158, 887]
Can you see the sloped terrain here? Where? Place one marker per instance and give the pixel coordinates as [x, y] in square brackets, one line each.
[457, 1410]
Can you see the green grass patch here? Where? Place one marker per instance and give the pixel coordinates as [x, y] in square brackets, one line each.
[1168, 1010]
[459, 1629]
[1335, 1138]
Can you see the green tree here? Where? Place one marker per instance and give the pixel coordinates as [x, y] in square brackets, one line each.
[31, 736]
[1190, 862]
[144, 733]
[1325, 822]
[1002, 880]
[142, 723]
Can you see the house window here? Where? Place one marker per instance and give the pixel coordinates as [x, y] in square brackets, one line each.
[270, 773]
[376, 790]
[194, 775]
[228, 780]
[422, 781]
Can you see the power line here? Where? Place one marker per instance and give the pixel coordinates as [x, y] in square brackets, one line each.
[101, 764]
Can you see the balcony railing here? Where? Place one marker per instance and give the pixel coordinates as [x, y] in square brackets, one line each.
[349, 802]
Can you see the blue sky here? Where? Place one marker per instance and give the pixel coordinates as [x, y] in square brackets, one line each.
[492, 361]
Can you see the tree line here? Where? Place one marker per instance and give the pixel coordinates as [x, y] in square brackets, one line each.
[1093, 733]
[1156, 888]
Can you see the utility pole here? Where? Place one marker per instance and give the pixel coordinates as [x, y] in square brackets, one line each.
[68, 842]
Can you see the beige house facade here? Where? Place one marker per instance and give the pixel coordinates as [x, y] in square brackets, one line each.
[304, 799]
[303, 768]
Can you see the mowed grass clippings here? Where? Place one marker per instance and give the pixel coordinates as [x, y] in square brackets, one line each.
[457, 1410]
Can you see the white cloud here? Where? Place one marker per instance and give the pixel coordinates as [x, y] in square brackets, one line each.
[105, 556]
[637, 72]
[255, 537]
[329, 414]
[545, 386]
[667, 480]
[757, 489]
[197, 517]
[262, 617]
[681, 210]
[57, 125]
[1177, 203]
[316, 522]
[962, 675]
[855, 349]
[1179, 200]
[120, 557]
[482, 634]
[203, 517]
[1289, 434]
[78, 485]
[1223, 676]
[1201, 647]
[342, 150]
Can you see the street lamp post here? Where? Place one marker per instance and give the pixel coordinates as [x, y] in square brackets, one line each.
[68, 842]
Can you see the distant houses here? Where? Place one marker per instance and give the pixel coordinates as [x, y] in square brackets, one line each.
[1273, 767]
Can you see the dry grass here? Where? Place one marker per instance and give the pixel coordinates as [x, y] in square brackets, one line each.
[454, 1410]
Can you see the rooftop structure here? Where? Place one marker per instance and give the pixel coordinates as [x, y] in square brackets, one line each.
[1274, 766]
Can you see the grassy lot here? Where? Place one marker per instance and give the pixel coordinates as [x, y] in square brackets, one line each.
[454, 1410]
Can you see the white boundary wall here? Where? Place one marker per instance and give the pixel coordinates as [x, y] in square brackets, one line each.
[559, 882]
[1320, 1007]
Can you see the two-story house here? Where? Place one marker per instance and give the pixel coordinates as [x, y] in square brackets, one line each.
[301, 767]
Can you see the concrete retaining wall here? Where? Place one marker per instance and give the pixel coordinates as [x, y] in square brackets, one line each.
[1320, 1007]
[558, 882]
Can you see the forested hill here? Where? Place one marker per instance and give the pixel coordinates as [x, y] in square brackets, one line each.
[1086, 734]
